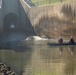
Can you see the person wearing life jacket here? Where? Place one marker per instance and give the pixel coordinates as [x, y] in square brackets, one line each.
[71, 40]
[60, 40]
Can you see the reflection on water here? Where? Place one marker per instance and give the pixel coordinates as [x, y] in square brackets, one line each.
[71, 49]
[40, 59]
[60, 50]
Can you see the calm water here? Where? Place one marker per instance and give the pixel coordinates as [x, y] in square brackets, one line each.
[40, 59]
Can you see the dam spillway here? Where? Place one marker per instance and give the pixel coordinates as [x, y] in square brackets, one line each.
[14, 21]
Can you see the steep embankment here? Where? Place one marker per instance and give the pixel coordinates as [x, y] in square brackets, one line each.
[55, 20]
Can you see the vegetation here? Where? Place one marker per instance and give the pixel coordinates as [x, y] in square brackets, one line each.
[54, 26]
[45, 2]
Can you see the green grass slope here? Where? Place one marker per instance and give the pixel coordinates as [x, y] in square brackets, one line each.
[46, 2]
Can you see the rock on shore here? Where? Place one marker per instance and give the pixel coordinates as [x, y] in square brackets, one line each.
[6, 70]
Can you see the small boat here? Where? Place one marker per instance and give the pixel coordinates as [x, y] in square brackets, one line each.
[58, 44]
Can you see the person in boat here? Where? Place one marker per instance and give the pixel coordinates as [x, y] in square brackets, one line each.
[60, 41]
[71, 40]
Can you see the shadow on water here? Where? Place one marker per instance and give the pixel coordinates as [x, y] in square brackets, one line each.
[16, 54]
[19, 46]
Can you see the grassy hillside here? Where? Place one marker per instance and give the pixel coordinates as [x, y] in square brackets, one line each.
[45, 2]
[60, 22]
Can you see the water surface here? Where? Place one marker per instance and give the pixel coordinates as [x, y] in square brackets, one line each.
[40, 59]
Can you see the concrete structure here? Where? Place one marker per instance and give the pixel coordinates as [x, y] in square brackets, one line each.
[48, 21]
[13, 18]
[18, 16]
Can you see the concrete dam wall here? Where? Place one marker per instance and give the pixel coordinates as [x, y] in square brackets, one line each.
[14, 20]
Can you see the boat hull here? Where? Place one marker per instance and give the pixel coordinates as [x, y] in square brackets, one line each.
[63, 44]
